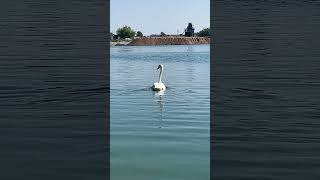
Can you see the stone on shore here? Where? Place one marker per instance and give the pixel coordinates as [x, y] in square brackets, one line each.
[147, 41]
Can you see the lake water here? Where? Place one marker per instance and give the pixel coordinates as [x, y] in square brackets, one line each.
[160, 136]
[266, 90]
[54, 90]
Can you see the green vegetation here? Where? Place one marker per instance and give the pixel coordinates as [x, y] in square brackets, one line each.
[162, 34]
[126, 32]
[139, 34]
[204, 32]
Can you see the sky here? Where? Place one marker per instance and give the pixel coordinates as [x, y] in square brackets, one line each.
[154, 16]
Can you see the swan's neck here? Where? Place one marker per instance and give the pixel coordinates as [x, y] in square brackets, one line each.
[160, 75]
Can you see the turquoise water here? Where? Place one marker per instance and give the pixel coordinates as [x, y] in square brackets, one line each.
[160, 136]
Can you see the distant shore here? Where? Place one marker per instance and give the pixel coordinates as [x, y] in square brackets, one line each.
[168, 40]
[119, 43]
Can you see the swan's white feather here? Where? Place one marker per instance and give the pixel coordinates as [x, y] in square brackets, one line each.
[159, 86]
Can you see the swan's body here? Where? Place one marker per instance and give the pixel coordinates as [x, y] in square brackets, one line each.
[159, 86]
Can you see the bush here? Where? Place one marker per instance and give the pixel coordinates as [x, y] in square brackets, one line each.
[139, 34]
[126, 32]
[204, 32]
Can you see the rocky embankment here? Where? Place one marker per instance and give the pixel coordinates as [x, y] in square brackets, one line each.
[149, 41]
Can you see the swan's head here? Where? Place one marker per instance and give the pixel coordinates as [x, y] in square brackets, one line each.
[160, 66]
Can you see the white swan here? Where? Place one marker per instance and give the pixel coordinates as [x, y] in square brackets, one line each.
[159, 86]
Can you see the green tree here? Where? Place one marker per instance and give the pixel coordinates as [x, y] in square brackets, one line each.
[126, 32]
[204, 32]
[139, 34]
[162, 34]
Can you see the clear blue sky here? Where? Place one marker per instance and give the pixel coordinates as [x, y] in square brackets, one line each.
[155, 16]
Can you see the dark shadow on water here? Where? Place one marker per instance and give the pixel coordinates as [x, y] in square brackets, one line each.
[132, 91]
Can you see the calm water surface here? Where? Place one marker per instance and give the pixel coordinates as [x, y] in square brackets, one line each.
[266, 90]
[160, 136]
[53, 90]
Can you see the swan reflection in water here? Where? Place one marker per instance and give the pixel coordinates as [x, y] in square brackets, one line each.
[159, 95]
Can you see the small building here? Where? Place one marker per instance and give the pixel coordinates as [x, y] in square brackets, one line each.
[111, 36]
[114, 37]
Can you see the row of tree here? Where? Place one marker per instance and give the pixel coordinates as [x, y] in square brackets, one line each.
[128, 32]
[204, 32]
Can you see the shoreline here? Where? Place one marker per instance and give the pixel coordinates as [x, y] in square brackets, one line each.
[169, 40]
[119, 43]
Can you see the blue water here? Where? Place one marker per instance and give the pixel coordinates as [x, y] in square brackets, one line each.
[160, 135]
